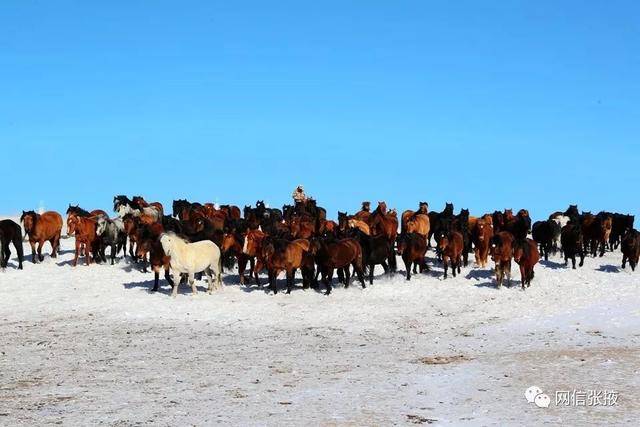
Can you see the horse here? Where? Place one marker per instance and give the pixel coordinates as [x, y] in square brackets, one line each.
[283, 255]
[381, 222]
[412, 247]
[560, 220]
[131, 224]
[232, 211]
[144, 204]
[302, 227]
[10, 232]
[375, 250]
[544, 232]
[572, 213]
[364, 213]
[631, 248]
[501, 253]
[252, 247]
[440, 221]
[526, 255]
[191, 258]
[149, 242]
[518, 224]
[606, 219]
[112, 234]
[86, 237]
[75, 211]
[460, 223]
[360, 225]
[122, 205]
[423, 209]
[592, 233]
[621, 224]
[41, 228]
[232, 244]
[339, 254]
[146, 237]
[451, 246]
[481, 235]
[572, 243]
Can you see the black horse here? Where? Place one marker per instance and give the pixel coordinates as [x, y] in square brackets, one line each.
[440, 221]
[10, 232]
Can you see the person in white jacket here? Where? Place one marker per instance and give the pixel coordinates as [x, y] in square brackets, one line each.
[298, 195]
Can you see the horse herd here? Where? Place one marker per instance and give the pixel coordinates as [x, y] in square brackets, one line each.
[201, 238]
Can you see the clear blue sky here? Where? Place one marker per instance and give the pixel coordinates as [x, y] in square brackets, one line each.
[489, 104]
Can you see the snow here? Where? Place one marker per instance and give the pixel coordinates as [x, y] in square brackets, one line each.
[91, 345]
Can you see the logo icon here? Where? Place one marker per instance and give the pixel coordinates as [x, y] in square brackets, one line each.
[535, 395]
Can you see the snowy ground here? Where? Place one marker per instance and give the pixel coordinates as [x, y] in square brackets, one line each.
[91, 345]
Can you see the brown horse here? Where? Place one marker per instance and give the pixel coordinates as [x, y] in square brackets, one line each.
[302, 227]
[525, 253]
[131, 224]
[383, 223]
[75, 211]
[232, 244]
[451, 246]
[149, 243]
[144, 204]
[232, 212]
[281, 255]
[85, 237]
[339, 254]
[146, 234]
[360, 225]
[501, 252]
[419, 224]
[364, 213]
[42, 228]
[412, 247]
[481, 235]
[252, 247]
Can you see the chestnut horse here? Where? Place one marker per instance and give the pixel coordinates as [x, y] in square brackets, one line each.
[501, 252]
[525, 253]
[75, 211]
[451, 246]
[252, 247]
[281, 255]
[302, 227]
[481, 235]
[360, 225]
[85, 236]
[384, 223]
[232, 243]
[41, 228]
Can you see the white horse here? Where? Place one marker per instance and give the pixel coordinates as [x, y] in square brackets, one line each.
[192, 258]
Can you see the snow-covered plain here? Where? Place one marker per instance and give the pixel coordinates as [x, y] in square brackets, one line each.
[91, 345]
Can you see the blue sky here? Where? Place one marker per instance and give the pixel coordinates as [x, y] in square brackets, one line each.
[488, 104]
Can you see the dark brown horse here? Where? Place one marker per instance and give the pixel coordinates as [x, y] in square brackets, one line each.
[148, 238]
[42, 228]
[501, 253]
[451, 246]
[10, 232]
[337, 254]
[412, 247]
[252, 247]
[302, 227]
[525, 253]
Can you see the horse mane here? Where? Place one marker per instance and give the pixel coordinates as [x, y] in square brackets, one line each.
[28, 213]
[524, 245]
[78, 211]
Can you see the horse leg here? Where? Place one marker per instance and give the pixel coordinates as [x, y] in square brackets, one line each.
[508, 272]
[178, 281]
[192, 282]
[242, 264]
[624, 260]
[407, 266]
[371, 267]
[347, 276]
[498, 270]
[290, 276]
[523, 275]
[273, 282]
[209, 274]
[168, 277]
[40, 245]
[33, 251]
